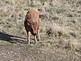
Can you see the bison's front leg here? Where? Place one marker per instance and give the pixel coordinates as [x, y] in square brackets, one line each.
[38, 35]
[35, 38]
[28, 37]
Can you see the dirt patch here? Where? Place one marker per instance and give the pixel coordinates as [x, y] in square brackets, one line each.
[23, 52]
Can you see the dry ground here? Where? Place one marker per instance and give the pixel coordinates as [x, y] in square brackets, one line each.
[60, 31]
[20, 52]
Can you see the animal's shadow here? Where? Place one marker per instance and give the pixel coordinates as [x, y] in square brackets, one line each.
[11, 38]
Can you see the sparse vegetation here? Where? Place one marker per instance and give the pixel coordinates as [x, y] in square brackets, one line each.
[60, 31]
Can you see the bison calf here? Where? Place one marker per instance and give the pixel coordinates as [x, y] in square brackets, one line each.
[31, 24]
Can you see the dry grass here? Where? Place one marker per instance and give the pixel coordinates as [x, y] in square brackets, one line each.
[60, 30]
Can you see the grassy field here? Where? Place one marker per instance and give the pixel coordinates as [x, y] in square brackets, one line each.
[60, 31]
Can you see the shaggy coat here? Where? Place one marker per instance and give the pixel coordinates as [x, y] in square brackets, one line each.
[31, 24]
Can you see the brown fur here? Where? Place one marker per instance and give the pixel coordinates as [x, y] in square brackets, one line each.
[31, 24]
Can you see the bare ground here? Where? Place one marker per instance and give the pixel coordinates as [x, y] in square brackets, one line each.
[13, 50]
[20, 52]
[60, 30]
